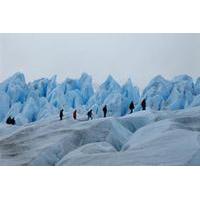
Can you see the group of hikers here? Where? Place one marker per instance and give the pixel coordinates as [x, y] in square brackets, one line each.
[132, 106]
[11, 120]
[105, 110]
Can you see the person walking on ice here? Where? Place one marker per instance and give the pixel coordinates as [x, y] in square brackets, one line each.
[13, 121]
[131, 106]
[143, 104]
[61, 114]
[75, 114]
[89, 114]
[10, 120]
[105, 111]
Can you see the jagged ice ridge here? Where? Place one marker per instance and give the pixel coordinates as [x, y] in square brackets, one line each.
[43, 98]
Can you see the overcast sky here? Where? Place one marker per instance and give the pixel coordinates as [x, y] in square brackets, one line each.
[138, 56]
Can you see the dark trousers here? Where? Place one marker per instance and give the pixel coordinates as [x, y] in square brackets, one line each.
[89, 117]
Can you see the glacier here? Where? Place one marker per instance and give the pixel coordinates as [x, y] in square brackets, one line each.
[150, 137]
[43, 98]
[166, 133]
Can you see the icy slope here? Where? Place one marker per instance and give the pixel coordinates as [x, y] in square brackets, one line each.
[143, 138]
[171, 141]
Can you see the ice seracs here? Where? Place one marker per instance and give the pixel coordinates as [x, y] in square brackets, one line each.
[31, 109]
[196, 101]
[197, 86]
[86, 88]
[51, 85]
[129, 93]
[44, 97]
[182, 93]
[170, 95]
[14, 110]
[4, 105]
[108, 93]
[15, 87]
[40, 86]
[116, 98]
[157, 92]
[110, 86]
[57, 97]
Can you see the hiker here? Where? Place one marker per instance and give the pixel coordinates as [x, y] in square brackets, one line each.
[75, 114]
[13, 121]
[143, 104]
[105, 111]
[61, 114]
[9, 120]
[131, 106]
[89, 114]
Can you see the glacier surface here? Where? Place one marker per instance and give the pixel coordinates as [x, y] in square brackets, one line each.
[142, 138]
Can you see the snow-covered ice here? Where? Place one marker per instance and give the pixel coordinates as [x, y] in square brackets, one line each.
[167, 133]
[142, 138]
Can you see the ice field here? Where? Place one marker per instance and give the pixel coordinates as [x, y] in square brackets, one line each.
[141, 138]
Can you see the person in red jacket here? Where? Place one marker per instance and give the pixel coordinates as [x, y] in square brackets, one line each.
[143, 104]
[74, 114]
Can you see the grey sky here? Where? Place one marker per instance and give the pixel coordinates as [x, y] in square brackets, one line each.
[138, 56]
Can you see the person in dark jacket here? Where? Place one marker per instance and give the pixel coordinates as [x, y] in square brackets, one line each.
[13, 121]
[61, 114]
[74, 114]
[143, 104]
[9, 120]
[131, 106]
[105, 111]
[89, 114]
